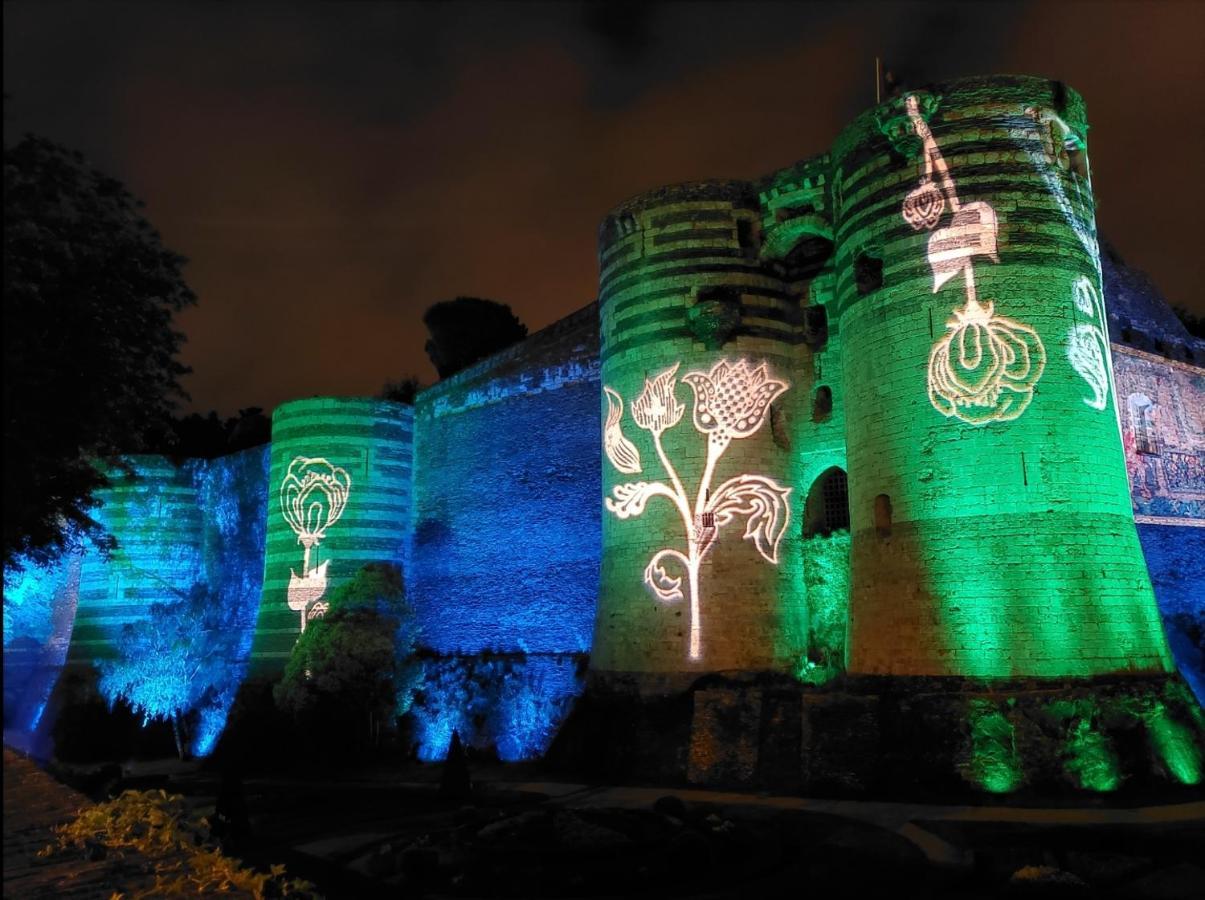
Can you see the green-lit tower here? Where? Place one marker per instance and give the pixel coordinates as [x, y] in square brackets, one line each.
[700, 345]
[992, 531]
[338, 497]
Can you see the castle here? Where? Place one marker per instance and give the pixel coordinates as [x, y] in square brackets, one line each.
[830, 446]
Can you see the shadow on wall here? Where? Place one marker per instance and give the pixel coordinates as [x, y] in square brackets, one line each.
[1175, 556]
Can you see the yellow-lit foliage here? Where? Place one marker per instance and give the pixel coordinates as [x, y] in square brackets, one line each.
[178, 847]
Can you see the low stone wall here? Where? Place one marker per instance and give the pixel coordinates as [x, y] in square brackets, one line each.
[903, 738]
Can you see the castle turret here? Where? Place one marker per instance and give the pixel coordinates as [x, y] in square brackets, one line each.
[992, 531]
[338, 497]
[700, 341]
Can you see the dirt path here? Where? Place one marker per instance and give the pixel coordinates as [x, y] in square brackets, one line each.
[33, 804]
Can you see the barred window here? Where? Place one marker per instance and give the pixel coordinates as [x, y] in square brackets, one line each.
[1142, 421]
[827, 507]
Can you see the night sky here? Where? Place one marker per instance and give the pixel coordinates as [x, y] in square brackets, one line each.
[332, 170]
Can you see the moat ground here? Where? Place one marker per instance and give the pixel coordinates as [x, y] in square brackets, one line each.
[384, 830]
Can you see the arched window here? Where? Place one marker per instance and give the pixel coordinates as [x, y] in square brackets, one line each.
[1142, 421]
[882, 515]
[815, 326]
[827, 507]
[822, 403]
[868, 273]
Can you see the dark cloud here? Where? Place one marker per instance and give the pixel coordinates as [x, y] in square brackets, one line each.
[333, 169]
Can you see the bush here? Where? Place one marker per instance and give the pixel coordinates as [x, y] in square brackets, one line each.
[352, 673]
[504, 703]
[183, 860]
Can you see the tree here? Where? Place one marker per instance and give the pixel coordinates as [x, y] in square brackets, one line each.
[90, 364]
[469, 329]
[250, 428]
[180, 658]
[404, 390]
[357, 660]
[1192, 322]
[204, 437]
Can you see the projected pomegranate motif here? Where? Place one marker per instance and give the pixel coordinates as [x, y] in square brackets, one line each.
[313, 495]
[983, 370]
[985, 367]
[731, 401]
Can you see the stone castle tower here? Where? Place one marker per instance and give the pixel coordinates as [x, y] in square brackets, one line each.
[944, 258]
[860, 520]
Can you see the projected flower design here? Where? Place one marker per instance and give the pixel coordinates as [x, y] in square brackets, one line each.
[731, 402]
[1087, 345]
[984, 369]
[313, 495]
[657, 409]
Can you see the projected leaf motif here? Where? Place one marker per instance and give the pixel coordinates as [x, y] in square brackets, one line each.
[664, 586]
[764, 504]
[630, 498]
[1088, 347]
[623, 453]
[986, 366]
[1088, 359]
[732, 401]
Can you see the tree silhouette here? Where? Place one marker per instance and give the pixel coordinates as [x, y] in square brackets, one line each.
[404, 390]
[469, 329]
[1192, 322]
[90, 364]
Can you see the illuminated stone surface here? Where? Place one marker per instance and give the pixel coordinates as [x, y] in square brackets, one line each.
[1010, 549]
[363, 449]
[923, 311]
[682, 284]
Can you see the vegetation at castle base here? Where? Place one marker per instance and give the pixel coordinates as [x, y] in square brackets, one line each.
[355, 666]
[506, 704]
[90, 364]
[176, 660]
[826, 580]
[468, 329]
[181, 860]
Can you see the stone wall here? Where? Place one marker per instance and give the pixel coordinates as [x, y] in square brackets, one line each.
[153, 510]
[506, 506]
